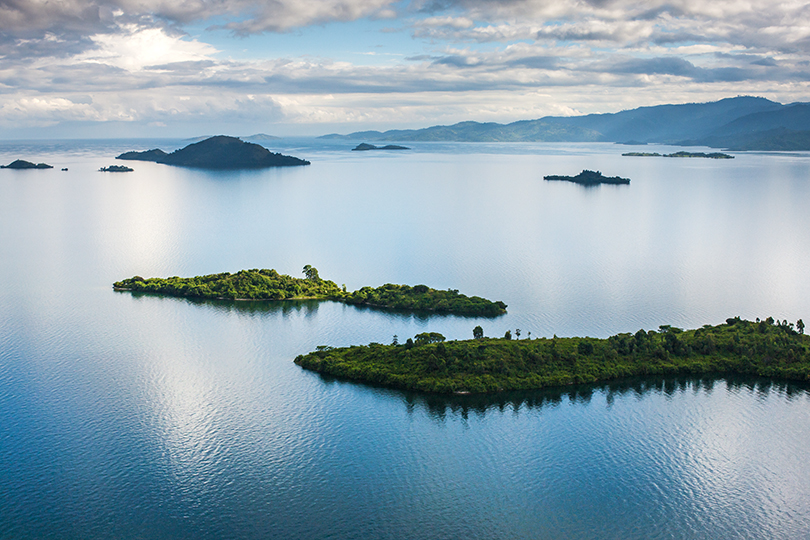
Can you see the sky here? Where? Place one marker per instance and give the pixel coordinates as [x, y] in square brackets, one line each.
[183, 68]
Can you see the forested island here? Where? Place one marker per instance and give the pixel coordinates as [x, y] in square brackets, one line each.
[711, 155]
[428, 363]
[116, 168]
[362, 147]
[218, 152]
[423, 298]
[589, 178]
[22, 164]
[270, 285]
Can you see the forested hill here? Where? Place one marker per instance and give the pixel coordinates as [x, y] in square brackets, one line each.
[743, 121]
[428, 363]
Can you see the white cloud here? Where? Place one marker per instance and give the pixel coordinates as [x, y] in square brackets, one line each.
[136, 48]
[477, 59]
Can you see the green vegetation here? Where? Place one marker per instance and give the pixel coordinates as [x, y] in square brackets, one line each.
[712, 155]
[243, 285]
[428, 363]
[590, 178]
[422, 297]
[270, 285]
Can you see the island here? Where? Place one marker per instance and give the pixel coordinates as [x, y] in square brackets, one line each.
[428, 363]
[116, 168]
[264, 284]
[362, 147]
[220, 152]
[22, 164]
[423, 298]
[589, 178]
[711, 155]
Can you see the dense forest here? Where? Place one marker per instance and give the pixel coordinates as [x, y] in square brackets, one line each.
[270, 285]
[422, 297]
[246, 285]
[429, 363]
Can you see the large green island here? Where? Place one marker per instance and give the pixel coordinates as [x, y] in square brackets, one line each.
[270, 285]
[429, 364]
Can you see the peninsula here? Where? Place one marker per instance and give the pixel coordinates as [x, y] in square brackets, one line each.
[116, 168]
[22, 164]
[589, 178]
[365, 146]
[270, 285]
[428, 363]
[218, 152]
[712, 155]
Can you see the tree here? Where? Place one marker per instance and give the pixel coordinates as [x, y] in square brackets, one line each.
[395, 341]
[800, 326]
[517, 333]
[508, 335]
[585, 347]
[428, 337]
[311, 273]
[478, 332]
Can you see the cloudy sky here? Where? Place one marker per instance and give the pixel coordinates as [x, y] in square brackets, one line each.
[98, 68]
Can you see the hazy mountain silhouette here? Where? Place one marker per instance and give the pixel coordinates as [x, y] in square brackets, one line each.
[743, 122]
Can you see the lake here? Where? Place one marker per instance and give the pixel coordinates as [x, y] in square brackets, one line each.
[130, 416]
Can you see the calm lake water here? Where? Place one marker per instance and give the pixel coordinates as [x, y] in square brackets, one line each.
[127, 416]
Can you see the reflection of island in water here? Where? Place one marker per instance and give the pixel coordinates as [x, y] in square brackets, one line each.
[242, 307]
[589, 178]
[284, 307]
[439, 406]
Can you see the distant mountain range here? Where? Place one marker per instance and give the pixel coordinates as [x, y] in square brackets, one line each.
[740, 123]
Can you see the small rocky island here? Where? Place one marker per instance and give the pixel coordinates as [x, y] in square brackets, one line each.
[270, 285]
[589, 178]
[711, 155]
[116, 168]
[428, 363]
[22, 164]
[220, 152]
[362, 147]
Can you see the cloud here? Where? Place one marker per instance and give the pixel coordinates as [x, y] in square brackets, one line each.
[131, 60]
[134, 48]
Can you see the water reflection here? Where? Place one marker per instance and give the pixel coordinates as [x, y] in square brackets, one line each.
[441, 406]
[306, 307]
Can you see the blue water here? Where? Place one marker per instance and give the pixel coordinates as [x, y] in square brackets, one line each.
[128, 416]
